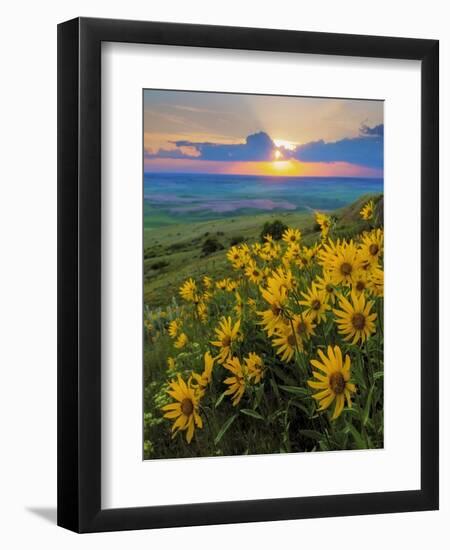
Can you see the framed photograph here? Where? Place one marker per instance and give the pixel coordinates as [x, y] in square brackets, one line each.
[247, 275]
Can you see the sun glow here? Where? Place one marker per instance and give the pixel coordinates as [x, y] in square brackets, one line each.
[286, 144]
[282, 165]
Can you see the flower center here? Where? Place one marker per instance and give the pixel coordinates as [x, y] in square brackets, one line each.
[337, 382]
[301, 327]
[187, 407]
[315, 304]
[329, 289]
[291, 340]
[226, 341]
[360, 286]
[373, 249]
[358, 321]
[255, 273]
[276, 310]
[346, 268]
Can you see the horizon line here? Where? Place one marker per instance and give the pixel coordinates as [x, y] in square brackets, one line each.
[263, 176]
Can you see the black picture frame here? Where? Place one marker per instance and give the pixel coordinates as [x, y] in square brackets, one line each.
[79, 274]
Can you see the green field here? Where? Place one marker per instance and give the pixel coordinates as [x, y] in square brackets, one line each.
[173, 253]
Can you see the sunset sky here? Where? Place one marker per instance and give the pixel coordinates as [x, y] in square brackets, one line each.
[215, 133]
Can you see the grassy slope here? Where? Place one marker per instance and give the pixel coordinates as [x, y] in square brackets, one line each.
[180, 245]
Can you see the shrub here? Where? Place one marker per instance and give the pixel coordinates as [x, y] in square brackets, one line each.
[275, 228]
[159, 265]
[237, 239]
[211, 245]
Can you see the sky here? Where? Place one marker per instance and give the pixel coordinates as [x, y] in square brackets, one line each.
[216, 133]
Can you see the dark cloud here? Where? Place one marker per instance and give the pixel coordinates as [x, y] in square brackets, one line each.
[257, 147]
[364, 150]
[375, 131]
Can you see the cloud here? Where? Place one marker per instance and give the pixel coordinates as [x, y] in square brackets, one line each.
[375, 131]
[168, 154]
[364, 150]
[257, 147]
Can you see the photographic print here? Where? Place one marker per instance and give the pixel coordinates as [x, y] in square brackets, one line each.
[263, 274]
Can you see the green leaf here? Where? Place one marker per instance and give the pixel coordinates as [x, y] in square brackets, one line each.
[258, 395]
[301, 407]
[360, 444]
[219, 401]
[351, 412]
[377, 375]
[311, 434]
[296, 390]
[367, 406]
[224, 428]
[253, 414]
[283, 375]
[276, 414]
[275, 388]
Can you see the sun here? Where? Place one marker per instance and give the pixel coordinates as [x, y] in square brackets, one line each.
[279, 167]
[277, 154]
[284, 143]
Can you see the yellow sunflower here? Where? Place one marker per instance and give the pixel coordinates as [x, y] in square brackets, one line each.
[283, 277]
[376, 281]
[342, 261]
[313, 250]
[239, 306]
[236, 382]
[184, 411]
[360, 281]
[227, 334]
[181, 341]
[171, 363]
[291, 235]
[315, 302]
[324, 222]
[234, 256]
[174, 327]
[207, 282]
[303, 326]
[325, 283]
[223, 284]
[276, 296]
[254, 367]
[355, 320]
[371, 247]
[254, 273]
[270, 249]
[202, 312]
[367, 211]
[232, 285]
[332, 379]
[202, 380]
[293, 254]
[188, 290]
[149, 326]
[286, 342]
